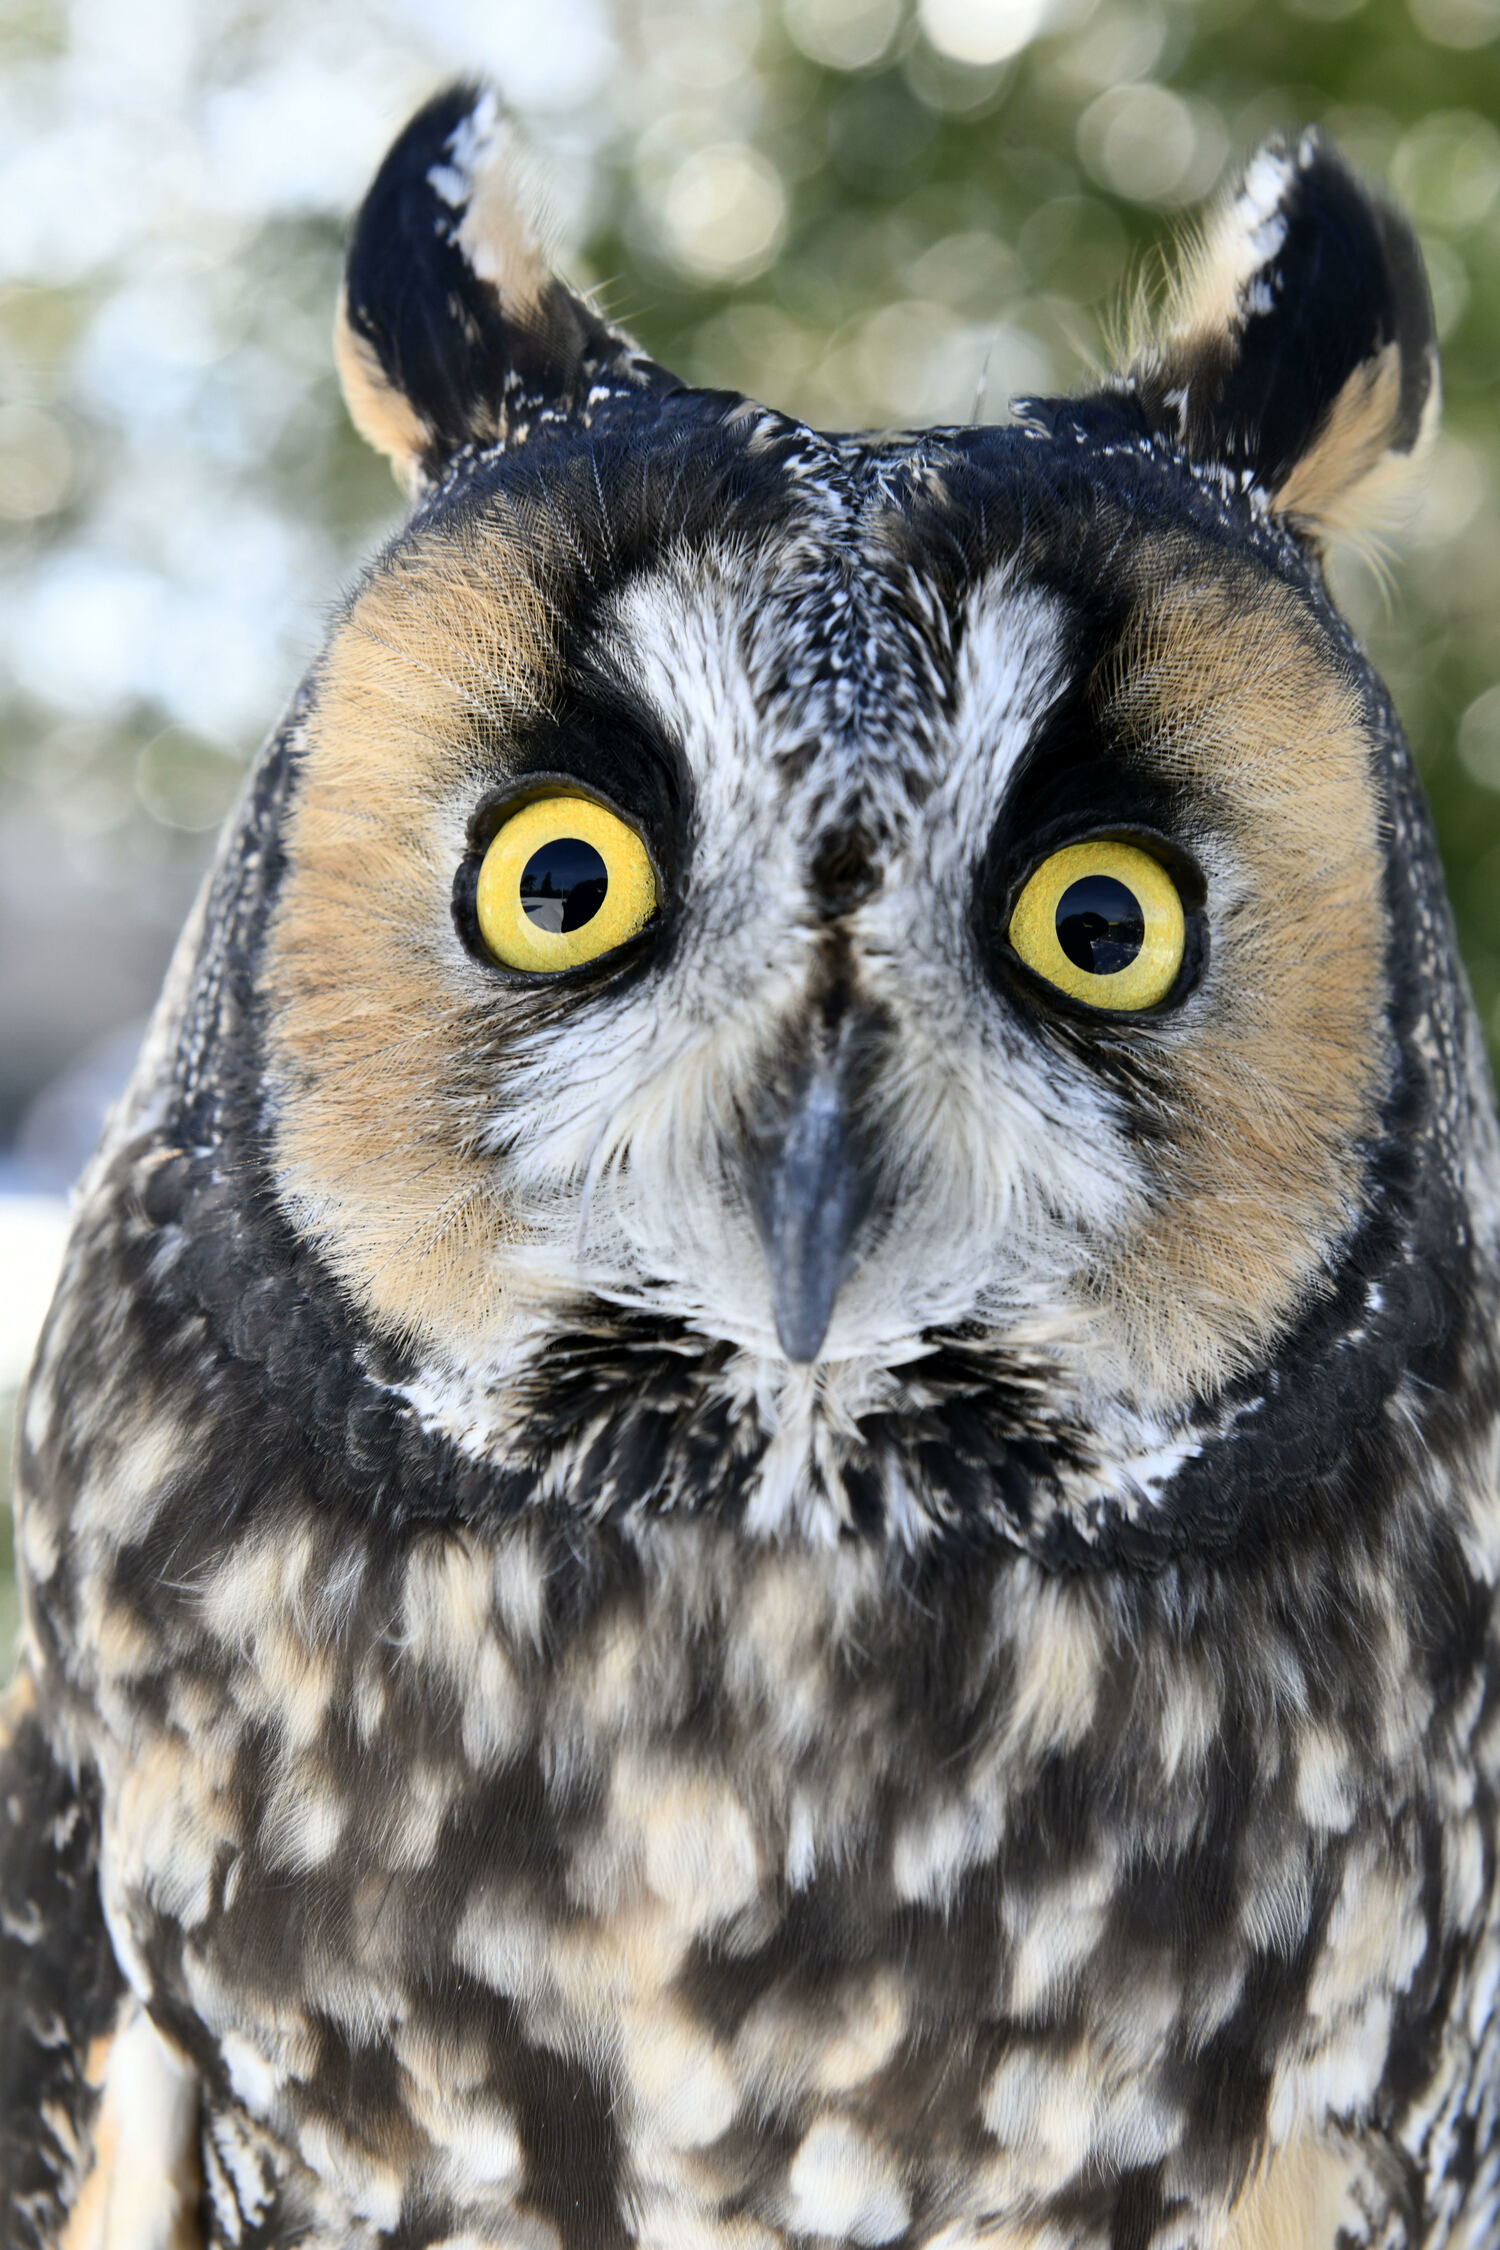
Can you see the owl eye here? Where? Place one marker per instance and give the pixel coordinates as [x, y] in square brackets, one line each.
[1102, 921]
[564, 880]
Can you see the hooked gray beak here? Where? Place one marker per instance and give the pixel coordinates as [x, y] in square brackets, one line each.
[809, 1191]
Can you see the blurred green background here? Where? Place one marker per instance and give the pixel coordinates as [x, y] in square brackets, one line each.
[864, 211]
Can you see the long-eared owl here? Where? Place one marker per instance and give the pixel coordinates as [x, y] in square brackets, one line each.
[762, 1505]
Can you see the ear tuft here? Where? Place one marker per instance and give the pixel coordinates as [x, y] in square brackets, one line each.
[452, 330]
[1297, 347]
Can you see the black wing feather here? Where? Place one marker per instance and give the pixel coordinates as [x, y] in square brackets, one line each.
[60, 1985]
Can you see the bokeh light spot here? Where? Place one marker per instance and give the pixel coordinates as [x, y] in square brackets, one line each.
[723, 212]
[185, 783]
[1447, 169]
[1117, 44]
[1457, 23]
[843, 34]
[1151, 145]
[1479, 739]
[36, 464]
[981, 31]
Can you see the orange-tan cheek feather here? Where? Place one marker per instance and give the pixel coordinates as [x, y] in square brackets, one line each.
[367, 998]
[1280, 1067]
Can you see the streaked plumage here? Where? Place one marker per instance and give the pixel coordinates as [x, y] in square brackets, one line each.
[792, 1585]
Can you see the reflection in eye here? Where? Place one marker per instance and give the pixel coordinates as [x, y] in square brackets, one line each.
[564, 884]
[1100, 925]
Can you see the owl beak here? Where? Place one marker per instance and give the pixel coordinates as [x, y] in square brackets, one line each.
[809, 1193]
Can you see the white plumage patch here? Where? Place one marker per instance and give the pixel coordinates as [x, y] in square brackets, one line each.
[141, 2192]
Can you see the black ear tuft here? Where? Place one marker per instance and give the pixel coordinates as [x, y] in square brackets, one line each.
[453, 330]
[1297, 351]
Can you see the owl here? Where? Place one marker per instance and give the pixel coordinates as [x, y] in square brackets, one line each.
[762, 1508]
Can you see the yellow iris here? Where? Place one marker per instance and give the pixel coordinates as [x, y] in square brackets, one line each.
[1104, 923]
[563, 881]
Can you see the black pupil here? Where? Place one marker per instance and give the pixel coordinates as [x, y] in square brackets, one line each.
[563, 885]
[1100, 925]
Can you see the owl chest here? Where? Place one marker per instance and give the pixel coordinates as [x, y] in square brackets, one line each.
[467, 1913]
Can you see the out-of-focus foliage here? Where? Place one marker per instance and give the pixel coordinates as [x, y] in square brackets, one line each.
[865, 211]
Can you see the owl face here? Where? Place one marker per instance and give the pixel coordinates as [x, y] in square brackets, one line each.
[882, 937]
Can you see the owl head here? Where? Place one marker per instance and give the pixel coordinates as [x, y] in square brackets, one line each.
[870, 983]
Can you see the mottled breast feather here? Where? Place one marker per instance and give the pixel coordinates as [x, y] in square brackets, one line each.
[792, 1586]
